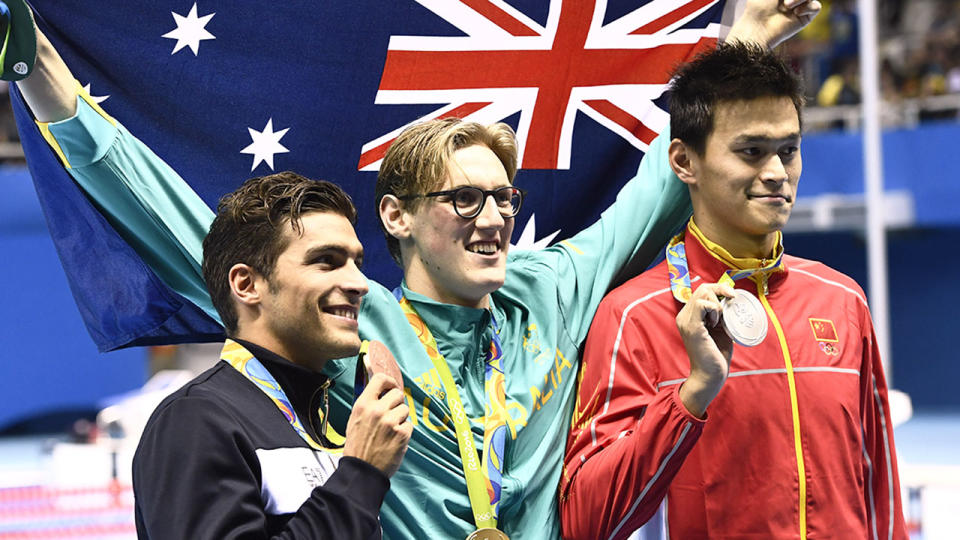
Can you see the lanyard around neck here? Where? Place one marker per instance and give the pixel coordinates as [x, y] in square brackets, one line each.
[679, 272]
[483, 479]
[243, 361]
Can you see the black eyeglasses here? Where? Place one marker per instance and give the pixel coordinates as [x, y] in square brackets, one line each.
[468, 201]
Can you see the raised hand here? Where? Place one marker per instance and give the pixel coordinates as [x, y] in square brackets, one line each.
[708, 346]
[379, 426]
[771, 22]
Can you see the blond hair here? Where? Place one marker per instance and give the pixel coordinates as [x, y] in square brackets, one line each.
[416, 162]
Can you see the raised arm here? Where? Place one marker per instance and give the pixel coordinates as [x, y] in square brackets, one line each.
[144, 199]
[49, 90]
[771, 22]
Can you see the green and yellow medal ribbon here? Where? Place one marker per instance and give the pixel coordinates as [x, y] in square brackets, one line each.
[483, 479]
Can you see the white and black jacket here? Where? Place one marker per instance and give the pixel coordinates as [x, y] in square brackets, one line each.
[218, 460]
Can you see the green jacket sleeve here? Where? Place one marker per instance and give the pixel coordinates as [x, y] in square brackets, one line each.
[148, 203]
[627, 238]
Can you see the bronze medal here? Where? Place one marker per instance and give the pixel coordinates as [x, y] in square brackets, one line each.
[379, 359]
[488, 533]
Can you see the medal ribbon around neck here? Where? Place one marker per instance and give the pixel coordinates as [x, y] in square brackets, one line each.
[679, 273]
[483, 480]
[243, 361]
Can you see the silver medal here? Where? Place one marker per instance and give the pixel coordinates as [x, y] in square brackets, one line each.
[744, 318]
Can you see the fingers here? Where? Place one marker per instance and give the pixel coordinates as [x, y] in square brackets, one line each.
[723, 341]
[399, 416]
[809, 10]
[380, 395]
[706, 301]
[802, 8]
[380, 384]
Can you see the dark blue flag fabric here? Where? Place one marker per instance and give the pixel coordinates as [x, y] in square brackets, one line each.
[223, 91]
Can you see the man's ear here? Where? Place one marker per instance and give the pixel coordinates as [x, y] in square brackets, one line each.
[394, 217]
[245, 284]
[683, 161]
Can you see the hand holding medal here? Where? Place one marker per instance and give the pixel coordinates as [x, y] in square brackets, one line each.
[379, 426]
[709, 326]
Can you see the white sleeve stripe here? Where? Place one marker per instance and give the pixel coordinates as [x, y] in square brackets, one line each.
[774, 371]
[613, 359]
[886, 452]
[829, 282]
[869, 484]
[616, 351]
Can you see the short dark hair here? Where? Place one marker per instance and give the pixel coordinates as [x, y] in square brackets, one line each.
[249, 229]
[737, 71]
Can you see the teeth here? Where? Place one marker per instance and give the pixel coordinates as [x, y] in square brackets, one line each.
[343, 312]
[486, 248]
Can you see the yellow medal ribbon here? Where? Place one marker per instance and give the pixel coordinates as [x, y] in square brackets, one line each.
[243, 361]
[679, 274]
[484, 510]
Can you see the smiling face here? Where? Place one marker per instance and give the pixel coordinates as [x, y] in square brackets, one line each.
[308, 307]
[455, 260]
[744, 184]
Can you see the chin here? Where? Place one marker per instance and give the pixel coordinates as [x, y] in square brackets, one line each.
[491, 281]
[345, 348]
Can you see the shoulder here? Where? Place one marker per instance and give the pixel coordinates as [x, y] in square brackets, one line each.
[649, 290]
[814, 275]
[210, 399]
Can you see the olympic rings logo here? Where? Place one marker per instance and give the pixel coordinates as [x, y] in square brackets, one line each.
[829, 348]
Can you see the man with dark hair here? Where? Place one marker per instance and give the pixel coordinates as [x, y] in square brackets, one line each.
[800, 443]
[246, 229]
[240, 451]
[488, 345]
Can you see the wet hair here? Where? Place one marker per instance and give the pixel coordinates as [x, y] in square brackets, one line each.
[249, 229]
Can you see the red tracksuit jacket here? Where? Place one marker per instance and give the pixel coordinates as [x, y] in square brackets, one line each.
[798, 444]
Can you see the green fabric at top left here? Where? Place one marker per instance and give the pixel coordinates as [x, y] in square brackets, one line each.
[165, 222]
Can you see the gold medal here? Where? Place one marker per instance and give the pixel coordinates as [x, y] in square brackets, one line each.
[488, 533]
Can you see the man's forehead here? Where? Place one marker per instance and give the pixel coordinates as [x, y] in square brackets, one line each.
[757, 120]
[324, 228]
[474, 164]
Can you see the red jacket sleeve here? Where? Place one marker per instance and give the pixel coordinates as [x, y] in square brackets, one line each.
[882, 489]
[627, 439]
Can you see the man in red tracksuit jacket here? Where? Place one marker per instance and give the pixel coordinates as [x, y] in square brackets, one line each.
[799, 444]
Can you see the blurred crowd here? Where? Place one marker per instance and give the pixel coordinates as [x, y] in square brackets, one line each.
[919, 55]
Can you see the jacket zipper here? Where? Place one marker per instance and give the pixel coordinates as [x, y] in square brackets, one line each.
[763, 289]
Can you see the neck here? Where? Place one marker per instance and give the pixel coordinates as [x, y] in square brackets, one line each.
[270, 342]
[417, 279]
[438, 296]
[739, 245]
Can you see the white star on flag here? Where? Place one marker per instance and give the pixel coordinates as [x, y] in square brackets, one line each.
[96, 99]
[190, 30]
[265, 144]
[528, 238]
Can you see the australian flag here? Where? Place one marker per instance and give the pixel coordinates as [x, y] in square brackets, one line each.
[227, 90]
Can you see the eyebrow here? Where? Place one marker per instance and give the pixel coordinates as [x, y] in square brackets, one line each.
[327, 248]
[762, 139]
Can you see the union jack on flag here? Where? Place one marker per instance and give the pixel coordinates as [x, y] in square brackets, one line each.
[227, 90]
[508, 63]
